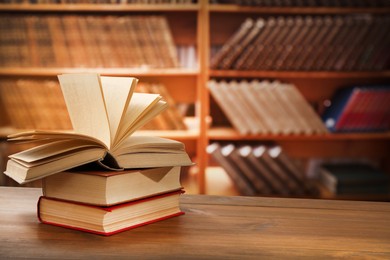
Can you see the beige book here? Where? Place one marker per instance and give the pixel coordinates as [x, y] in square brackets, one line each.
[107, 188]
[228, 105]
[104, 113]
[310, 116]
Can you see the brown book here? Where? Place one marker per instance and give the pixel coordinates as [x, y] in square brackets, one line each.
[253, 158]
[60, 47]
[284, 28]
[281, 51]
[59, 116]
[315, 50]
[242, 184]
[285, 162]
[231, 43]
[10, 100]
[288, 181]
[256, 51]
[74, 41]
[244, 169]
[90, 32]
[135, 40]
[325, 48]
[162, 40]
[376, 56]
[293, 48]
[232, 56]
[264, 47]
[314, 37]
[32, 35]
[246, 58]
[351, 32]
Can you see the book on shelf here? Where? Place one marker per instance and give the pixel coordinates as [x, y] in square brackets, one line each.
[359, 109]
[354, 179]
[90, 185]
[233, 154]
[109, 220]
[26, 104]
[307, 43]
[261, 170]
[220, 155]
[266, 107]
[105, 112]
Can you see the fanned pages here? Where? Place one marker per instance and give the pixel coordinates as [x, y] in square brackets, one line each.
[104, 113]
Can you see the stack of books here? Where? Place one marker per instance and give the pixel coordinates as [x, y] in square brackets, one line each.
[262, 170]
[359, 109]
[125, 181]
[264, 107]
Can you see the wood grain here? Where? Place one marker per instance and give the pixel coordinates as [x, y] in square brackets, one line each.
[213, 227]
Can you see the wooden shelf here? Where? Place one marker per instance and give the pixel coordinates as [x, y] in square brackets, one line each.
[100, 7]
[221, 8]
[223, 133]
[104, 71]
[298, 74]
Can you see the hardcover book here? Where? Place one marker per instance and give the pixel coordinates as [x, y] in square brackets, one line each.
[108, 220]
[106, 188]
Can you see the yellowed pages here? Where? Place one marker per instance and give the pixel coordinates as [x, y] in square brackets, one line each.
[84, 100]
[117, 92]
[140, 106]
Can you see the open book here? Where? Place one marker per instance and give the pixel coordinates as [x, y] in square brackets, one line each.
[104, 112]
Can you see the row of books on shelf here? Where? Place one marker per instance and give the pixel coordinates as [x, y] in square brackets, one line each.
[266, 170]
[308, 43]
[86, 41]
[306, 3]
[264, 107]
[258, 169]
[39, 104]
[118, 2]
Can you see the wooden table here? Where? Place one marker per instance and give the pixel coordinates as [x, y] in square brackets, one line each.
[213, 227]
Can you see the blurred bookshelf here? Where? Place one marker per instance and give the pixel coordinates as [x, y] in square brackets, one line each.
[198, 31]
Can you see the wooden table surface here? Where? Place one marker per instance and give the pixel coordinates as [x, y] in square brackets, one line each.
[213, 227]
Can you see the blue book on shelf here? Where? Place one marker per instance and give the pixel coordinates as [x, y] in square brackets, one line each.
[359, 109]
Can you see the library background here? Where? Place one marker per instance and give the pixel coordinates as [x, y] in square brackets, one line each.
[271, 98]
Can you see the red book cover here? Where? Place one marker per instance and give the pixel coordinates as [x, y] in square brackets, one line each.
[110, 209]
